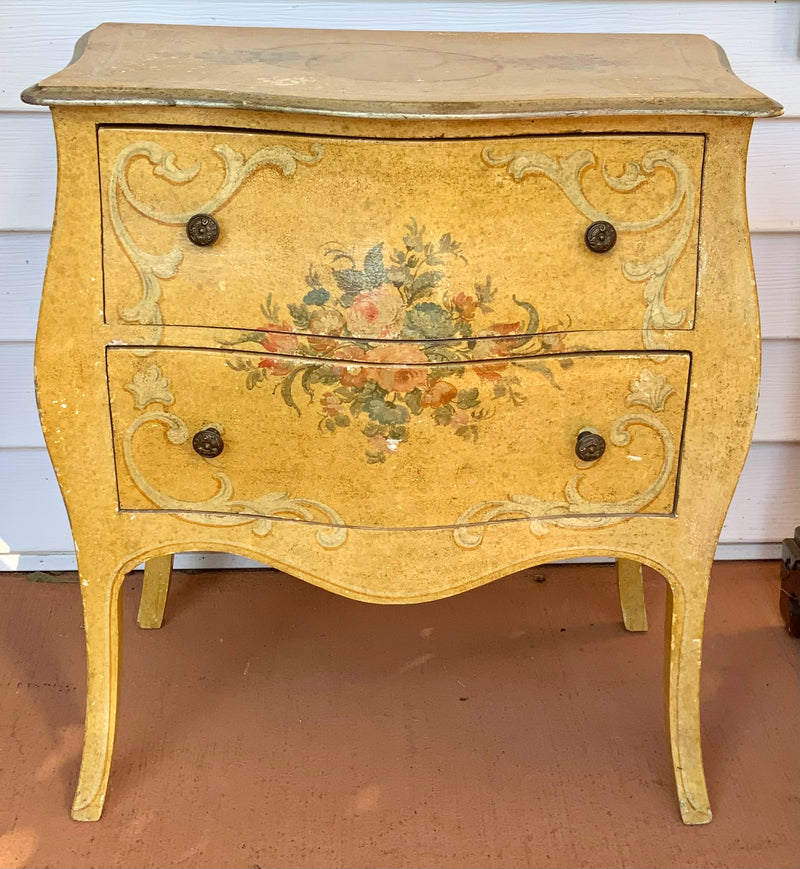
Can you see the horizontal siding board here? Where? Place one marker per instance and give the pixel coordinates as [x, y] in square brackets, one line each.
[23, 256]
[776, 259]
[765, 508]
[778, 416]
[28, 174]
[779, 402]
[759, 38]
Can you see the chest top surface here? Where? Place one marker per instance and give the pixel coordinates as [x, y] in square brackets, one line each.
[402, 74]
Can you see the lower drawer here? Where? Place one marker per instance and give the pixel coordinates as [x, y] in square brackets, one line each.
[389, 440]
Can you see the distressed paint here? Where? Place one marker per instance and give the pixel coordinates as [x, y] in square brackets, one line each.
[362, 227]
[399, 562]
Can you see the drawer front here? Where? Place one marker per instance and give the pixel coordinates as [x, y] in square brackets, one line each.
[399, 239]
[392, 442]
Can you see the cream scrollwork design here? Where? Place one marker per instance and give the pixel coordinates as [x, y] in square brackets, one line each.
[152, 268]
[576, 511]
[221, 508]
[567, 174]
[649, 389]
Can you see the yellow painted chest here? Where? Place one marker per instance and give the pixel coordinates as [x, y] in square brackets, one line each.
[398, 313]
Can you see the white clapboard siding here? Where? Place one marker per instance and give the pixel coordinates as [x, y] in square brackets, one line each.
[23, 257]
[760, 38]
[28, 173]
[763, 510]
[778, 419]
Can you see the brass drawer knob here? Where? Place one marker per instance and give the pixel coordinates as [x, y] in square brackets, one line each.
[202, 230]
[208, 443]
[589, 446]
[600, 236]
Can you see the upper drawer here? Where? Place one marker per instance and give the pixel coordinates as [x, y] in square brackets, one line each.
[400, 239]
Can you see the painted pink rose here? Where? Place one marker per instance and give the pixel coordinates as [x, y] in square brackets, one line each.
[331, 404]
[377, 313]
[281, 341]
[281, 338]
[399, 379]
[352, 371]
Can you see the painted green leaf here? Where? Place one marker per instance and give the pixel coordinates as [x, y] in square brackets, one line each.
[468, 432]
[308, 378]
[485, 295]
[533, 315]
[350, 281]
[317, 296]
[300, 316]
[414, 401]
[422, 285]
[269, 309]
[385, 412]
[398, 275]
[447, 245]
[286, 387]
[428, 320]
[468, 398]
[254, 377]
[341, 420]
[442, 415]
[540, 368]
[373, 266]
[413, 238]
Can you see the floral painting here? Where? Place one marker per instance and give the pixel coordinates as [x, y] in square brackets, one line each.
[351, 322]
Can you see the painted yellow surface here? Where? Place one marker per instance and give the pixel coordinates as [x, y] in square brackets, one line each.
[155, 588]
[387, 229]
[508, 431]
[456, 464]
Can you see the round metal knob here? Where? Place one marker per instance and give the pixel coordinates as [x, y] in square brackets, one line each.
[589, 446]
[600, 236]
[208, 443]
[202, 230]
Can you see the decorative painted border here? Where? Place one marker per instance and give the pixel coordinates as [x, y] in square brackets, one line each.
[650, 390]
[152, 268]
[151, 387]
[566, 172]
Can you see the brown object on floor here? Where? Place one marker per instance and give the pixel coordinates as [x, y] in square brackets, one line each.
[270, 723]
[790, 584]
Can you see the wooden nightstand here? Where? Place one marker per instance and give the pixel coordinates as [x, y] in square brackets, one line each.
[398, 313]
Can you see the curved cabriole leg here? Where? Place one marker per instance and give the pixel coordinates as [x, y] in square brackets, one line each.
[686, 606]
[631, 594]
[155, 587]
[102, 621]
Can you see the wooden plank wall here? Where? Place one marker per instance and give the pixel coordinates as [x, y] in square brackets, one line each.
[760, 38]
